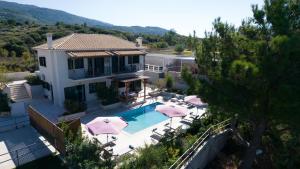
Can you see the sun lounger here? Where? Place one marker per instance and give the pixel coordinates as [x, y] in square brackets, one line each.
[158, 135]
[174, 100]
[186, 122]
[155, 131]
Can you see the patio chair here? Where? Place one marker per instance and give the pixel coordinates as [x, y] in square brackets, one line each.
[157, 135]
[156, 132]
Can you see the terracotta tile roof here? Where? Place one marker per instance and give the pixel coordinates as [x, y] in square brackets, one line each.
[86, 42]
[89, 54]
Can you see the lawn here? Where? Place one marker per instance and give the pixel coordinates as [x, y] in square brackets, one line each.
[49, 162]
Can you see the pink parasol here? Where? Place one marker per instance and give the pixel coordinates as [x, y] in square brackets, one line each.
[176, 111]
[194, 100]
[106, 125]
[172, 111]
[187, 98]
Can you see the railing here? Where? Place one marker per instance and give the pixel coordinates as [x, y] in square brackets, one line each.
[188, 155]
[14, 123]
[22, 153]
[77, 74]
[153, 68]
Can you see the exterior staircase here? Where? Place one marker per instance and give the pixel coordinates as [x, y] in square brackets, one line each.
[18, 92]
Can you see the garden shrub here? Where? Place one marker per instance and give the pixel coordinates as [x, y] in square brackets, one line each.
[107, 95]
[169, 82]
[33, 80]
[179, 48]
[4, 106]
[73, 106]
[82, 153]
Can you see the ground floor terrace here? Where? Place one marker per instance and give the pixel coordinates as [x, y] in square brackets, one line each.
[145, 125]
[128, 88]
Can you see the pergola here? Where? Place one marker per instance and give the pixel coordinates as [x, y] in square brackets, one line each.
[129, 80]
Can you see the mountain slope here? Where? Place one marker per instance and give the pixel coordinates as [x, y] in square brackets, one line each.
[22, 13]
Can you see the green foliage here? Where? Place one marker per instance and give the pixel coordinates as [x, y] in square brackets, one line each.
[170, 148]
[171, 38]
[150, 157]
[189, 78]
[4, 106]
[107, 95]
[81, 153]
[3, 52]
[73, 106]
[159, 45]
[253, 70]
[179, 48]
[169, 81]
[33, 80]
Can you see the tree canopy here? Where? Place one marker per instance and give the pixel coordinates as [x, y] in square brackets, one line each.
[253, 70]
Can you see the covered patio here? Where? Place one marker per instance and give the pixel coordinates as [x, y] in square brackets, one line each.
[132, 86]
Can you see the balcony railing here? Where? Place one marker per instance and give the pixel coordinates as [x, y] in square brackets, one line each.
[153, 68]
[77, 74]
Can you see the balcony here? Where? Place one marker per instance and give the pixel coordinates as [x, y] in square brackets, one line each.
[78, 74]
[153, 68]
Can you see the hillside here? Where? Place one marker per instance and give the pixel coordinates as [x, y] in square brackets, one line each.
[22, 13]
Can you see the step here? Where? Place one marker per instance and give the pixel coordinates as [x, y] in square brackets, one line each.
[19, 92]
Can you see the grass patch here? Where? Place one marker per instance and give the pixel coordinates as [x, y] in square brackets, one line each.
[49, 162]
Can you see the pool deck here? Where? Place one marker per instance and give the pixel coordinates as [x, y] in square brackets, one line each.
[140, 138]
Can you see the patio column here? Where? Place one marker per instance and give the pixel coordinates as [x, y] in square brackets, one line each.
[145, 81]
[126, 91]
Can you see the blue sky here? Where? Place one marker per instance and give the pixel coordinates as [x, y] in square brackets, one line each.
[182, 15]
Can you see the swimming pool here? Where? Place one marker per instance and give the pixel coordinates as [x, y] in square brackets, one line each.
[141, 118]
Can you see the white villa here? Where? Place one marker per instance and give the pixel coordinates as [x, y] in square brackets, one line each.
[75, 64]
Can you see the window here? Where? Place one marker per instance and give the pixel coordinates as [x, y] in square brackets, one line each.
[133, 59]
[75, 64]
[129, 59]
[70, 64]
[42, 61]
[136, 59]
[93, 86]
[79, 63]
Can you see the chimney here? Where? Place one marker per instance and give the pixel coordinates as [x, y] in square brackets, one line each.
[49, 40]
[139, 42]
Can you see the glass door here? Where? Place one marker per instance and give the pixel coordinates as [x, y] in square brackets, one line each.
[75, 93]
[115, 64]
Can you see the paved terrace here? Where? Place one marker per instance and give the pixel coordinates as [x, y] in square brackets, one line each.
[21, 146]
[140, 138]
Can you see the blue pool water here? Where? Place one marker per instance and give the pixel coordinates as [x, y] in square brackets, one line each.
[141, 118]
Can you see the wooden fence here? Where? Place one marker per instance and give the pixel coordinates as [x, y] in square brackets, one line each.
[52, 132]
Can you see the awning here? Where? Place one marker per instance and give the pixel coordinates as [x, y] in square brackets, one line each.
[134, 79]
[90, 54]
[129, 52]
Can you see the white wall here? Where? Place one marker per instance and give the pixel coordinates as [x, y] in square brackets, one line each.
[57, 74]
[17, 75]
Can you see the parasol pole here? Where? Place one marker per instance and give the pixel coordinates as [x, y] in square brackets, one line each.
[107, 138]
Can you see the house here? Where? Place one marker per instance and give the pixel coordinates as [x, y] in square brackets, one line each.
[72, 66]
[157, 65]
